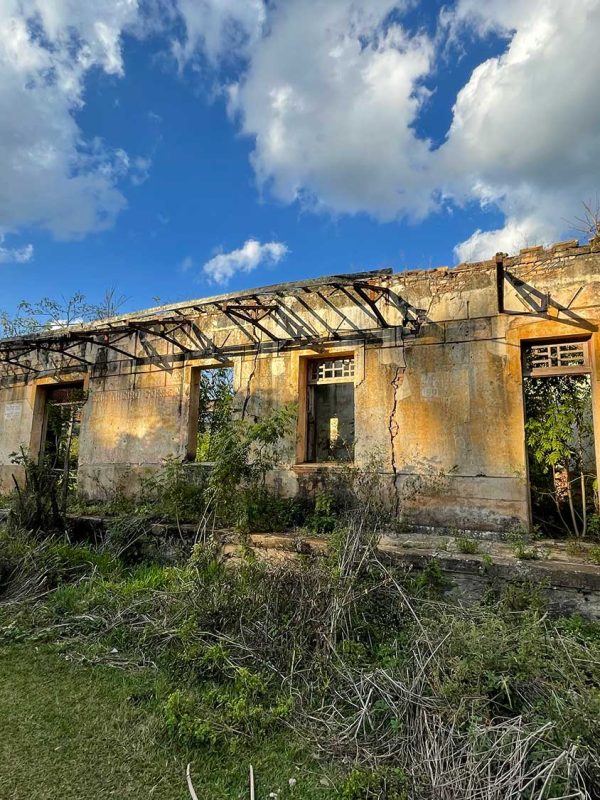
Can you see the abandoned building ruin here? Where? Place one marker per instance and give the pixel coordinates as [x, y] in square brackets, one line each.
[423, 368]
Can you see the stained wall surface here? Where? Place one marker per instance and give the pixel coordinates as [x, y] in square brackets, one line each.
[438, 405]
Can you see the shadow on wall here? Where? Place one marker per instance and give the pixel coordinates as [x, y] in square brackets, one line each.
[128, 437]
[118, 450]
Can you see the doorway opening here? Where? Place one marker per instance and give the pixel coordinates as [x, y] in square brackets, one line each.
[559, 434]
[60, 440]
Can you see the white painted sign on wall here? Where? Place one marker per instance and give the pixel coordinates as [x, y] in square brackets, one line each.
[12, 410]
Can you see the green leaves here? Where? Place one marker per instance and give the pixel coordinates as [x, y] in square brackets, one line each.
[560, 440]
[244, 452]
[559, 424]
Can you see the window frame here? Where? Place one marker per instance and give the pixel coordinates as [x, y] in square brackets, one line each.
[310, 381]
[193, 413]
[584, 368]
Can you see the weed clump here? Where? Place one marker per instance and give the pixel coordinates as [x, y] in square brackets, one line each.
[466, 545]
[34, 505]
[594, 555]
[524, 545]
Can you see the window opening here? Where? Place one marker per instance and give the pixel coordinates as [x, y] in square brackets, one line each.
[330, 410]
[215, 401]
[559, 434]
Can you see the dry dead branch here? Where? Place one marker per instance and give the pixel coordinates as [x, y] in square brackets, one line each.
[188, 774]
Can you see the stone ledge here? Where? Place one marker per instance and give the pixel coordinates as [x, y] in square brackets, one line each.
[570, 588]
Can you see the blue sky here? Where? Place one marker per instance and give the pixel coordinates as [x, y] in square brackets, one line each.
[143, 139]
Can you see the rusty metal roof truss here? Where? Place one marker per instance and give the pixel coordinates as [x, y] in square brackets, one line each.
[250, 312]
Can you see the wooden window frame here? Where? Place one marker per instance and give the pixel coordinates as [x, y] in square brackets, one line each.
[313, 380]
[552, 371]
[304, 362]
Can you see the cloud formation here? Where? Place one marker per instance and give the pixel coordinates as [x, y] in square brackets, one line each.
[333, 89]
[330, 97]
[222, 267]
[330, 92]
[15, 255]
[525, 135]
[217, 28]
[51, 177]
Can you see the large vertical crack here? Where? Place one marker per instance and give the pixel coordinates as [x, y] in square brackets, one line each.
[394, 430]
[249, 385]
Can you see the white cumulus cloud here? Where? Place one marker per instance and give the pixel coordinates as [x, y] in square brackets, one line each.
[51, 177]
[218, 28]
[222, 267]
[15, 255]
[525, 135]
[329, 97]
[515, 234]
[332, 91]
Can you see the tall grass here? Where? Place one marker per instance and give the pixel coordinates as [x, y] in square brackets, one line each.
[362, 660]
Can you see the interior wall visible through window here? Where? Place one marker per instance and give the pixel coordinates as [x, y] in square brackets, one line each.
[330, 410]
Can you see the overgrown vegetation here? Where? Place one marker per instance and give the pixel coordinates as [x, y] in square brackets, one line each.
[70, 730]
[233, 491]
[359, 664]
[410, 698]
[50, 313]
[215, 404]
[524, 544]
[467, 545]
[560, 439]
[34, 505]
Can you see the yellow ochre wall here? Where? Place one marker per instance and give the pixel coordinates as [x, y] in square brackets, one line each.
[440, 415]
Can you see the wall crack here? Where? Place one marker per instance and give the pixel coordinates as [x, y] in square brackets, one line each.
[249, 385]
[394, 430]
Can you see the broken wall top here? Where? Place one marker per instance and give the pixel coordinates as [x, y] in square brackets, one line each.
[529, 262]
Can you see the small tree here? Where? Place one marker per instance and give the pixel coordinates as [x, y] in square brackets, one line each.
[244, 453]
[215, 407]
[55, 314]
[559, 432]
[589, 221]
[34, 506]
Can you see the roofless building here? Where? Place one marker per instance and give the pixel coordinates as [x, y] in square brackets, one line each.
[420, 373]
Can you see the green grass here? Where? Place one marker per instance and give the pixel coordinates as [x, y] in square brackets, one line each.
[70, 731]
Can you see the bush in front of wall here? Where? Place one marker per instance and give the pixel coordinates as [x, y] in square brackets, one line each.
[325, 516]
[34, 505]
[594, 555]
[263, 510]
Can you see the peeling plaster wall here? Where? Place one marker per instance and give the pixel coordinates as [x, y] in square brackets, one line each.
[130, 423]
[16, 419]
[440, 415]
